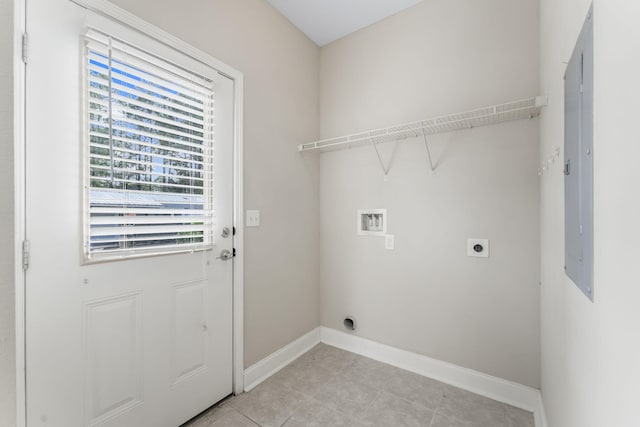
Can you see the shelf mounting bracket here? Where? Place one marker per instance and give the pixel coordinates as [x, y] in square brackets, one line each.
[387, 168]
[426, 145]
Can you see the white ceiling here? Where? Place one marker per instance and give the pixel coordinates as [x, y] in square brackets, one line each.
[324, 21]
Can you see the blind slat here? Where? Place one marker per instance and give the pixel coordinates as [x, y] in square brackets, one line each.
[144, 211]
[142, 230]
[142, 100]
[165, 140]
[100, 43]
[98, 67]
[158, 120]
[150, 164]
[158, 128]
[122, 171]
[117, 180]
[118, 149]
[133, 87]
[133, 250]
[103, 96]
[163, 237]
[148, 220]
[190, 110]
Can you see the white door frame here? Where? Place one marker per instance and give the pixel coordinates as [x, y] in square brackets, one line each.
[19, 94]
[108, 9]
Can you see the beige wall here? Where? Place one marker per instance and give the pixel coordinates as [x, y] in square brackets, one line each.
[590, 351]
[427, 296]
[7, 314]
[280, 67]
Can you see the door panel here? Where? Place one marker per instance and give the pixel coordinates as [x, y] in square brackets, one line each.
[189, 345]
[129, 342]
[114, 356]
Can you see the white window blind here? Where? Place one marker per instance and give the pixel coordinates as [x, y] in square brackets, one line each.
[149, 136]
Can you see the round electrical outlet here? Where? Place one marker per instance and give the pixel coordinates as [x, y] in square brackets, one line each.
[478, 248]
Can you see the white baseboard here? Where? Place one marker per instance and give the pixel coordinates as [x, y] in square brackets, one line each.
[260, 371]
[509, 392]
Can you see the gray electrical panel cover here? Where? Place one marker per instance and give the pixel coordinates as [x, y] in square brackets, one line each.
[578, 162]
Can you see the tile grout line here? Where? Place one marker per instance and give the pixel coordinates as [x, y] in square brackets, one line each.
[244, 416]
[290, 416]
[297, 405]
[504, 408]
[248, 417]
[363, 412]
[435, 411]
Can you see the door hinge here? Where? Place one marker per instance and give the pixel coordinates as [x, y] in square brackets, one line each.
[25, 46]
[234, 252]
[25, 255]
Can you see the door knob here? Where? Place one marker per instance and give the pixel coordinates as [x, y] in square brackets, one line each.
[225, 255]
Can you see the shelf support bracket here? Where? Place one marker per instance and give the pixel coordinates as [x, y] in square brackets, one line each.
[426, 145]
[385, 169]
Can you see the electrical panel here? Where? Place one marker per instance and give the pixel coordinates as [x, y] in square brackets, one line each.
[578, 162]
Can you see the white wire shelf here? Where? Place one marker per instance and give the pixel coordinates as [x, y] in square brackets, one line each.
[516, 110]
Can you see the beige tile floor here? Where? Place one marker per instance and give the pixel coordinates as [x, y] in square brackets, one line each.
[331, 387]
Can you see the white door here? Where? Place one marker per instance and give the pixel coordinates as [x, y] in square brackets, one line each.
[128, 304]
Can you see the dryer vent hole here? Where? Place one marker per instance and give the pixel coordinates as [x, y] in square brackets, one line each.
[349, 324]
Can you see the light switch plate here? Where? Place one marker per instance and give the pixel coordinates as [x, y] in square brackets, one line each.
[478, 248]
[253, 218]
[389, 242]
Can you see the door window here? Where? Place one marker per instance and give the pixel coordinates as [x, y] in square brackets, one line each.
[149, 152]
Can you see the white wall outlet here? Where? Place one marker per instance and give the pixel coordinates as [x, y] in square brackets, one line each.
[253, 218]
[389, 242]
[478, 248]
